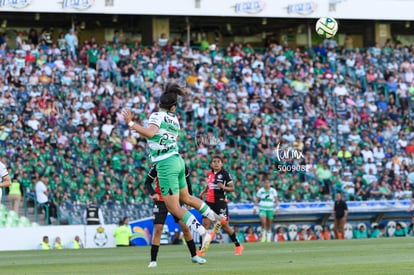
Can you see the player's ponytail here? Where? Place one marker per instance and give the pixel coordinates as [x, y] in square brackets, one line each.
[170, 95]
[174, 88]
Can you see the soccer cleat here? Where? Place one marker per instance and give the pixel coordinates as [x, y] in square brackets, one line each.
[198, 260]
[152, 264]
[208, 237]
[264, 239]
[219, 223]
[238, 250]
[200, 254]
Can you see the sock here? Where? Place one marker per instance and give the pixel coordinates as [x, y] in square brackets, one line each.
[269, 235]
[201, 241]
[191, 246]
[264, 234]
[154, 252]
[234, 239]
[208, 213]
[193, 223]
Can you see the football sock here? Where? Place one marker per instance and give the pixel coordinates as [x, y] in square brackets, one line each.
[207, 212]
[193, 223]
[201, 241]
[269, 235]
[234, 239]
[154, 252]
[191, 246]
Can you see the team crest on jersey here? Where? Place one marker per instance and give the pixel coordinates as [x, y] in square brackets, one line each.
[219, 176]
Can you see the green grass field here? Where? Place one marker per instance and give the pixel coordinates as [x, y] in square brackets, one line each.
[380, 256]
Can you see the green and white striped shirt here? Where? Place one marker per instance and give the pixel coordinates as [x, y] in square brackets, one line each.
[267, 198]
[164, 143]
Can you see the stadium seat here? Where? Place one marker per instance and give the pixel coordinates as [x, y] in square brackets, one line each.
[24, 222]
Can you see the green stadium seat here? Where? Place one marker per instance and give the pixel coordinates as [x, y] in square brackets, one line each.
[24, 222]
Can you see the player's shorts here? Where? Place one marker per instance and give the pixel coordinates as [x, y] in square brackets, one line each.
[171, 175]
[269, 214]
[160, 212]
[219, 207]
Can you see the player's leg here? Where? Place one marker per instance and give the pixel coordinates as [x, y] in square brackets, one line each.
[262, 216]
[195, 202]
[269, 221]
[169, 172]
[198, 204]
[160, 214]
[188, 237]
[226, 227]
[206, 223]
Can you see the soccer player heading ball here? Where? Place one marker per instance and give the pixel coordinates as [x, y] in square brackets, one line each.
[161, 133]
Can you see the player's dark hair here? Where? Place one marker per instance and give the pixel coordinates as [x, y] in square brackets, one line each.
[122, 221]
[170, 95]
[217, 157]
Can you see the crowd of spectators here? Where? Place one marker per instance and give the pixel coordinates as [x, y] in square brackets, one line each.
[347, 111]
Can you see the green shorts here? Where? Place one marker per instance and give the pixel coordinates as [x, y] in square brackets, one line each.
[269, 214]
[171, 175]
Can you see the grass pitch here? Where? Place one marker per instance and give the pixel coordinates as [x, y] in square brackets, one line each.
[379, 256]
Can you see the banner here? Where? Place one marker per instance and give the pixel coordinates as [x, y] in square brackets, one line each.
[339, 9]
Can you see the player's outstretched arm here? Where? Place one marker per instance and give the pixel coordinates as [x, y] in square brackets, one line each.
[148, 132]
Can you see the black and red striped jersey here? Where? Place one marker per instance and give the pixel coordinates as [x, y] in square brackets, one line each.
[214, 193]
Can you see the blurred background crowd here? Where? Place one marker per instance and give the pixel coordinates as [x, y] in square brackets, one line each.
[348, 111]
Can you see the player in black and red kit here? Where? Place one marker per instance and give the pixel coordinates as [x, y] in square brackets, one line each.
[160, 215]
[219, 182]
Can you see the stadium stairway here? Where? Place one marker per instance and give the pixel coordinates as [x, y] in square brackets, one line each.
[24, 216]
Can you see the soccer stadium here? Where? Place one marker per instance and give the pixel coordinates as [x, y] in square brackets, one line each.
[258, 136]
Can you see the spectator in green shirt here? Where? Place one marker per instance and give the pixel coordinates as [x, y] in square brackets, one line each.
[375, 232]
[361, 233]
[399, 230]
[324, 175]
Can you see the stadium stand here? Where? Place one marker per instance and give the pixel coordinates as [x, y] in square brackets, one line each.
[349, 112]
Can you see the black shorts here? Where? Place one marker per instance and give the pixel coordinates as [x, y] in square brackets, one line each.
[219, 207]
[160, 212]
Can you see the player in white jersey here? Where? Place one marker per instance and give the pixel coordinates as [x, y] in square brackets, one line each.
[161, 133]
[5, 180]
[266, 199]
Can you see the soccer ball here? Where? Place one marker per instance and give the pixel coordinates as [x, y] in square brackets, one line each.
[326, 27]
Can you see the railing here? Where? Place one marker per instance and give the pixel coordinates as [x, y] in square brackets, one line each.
[31, 198]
